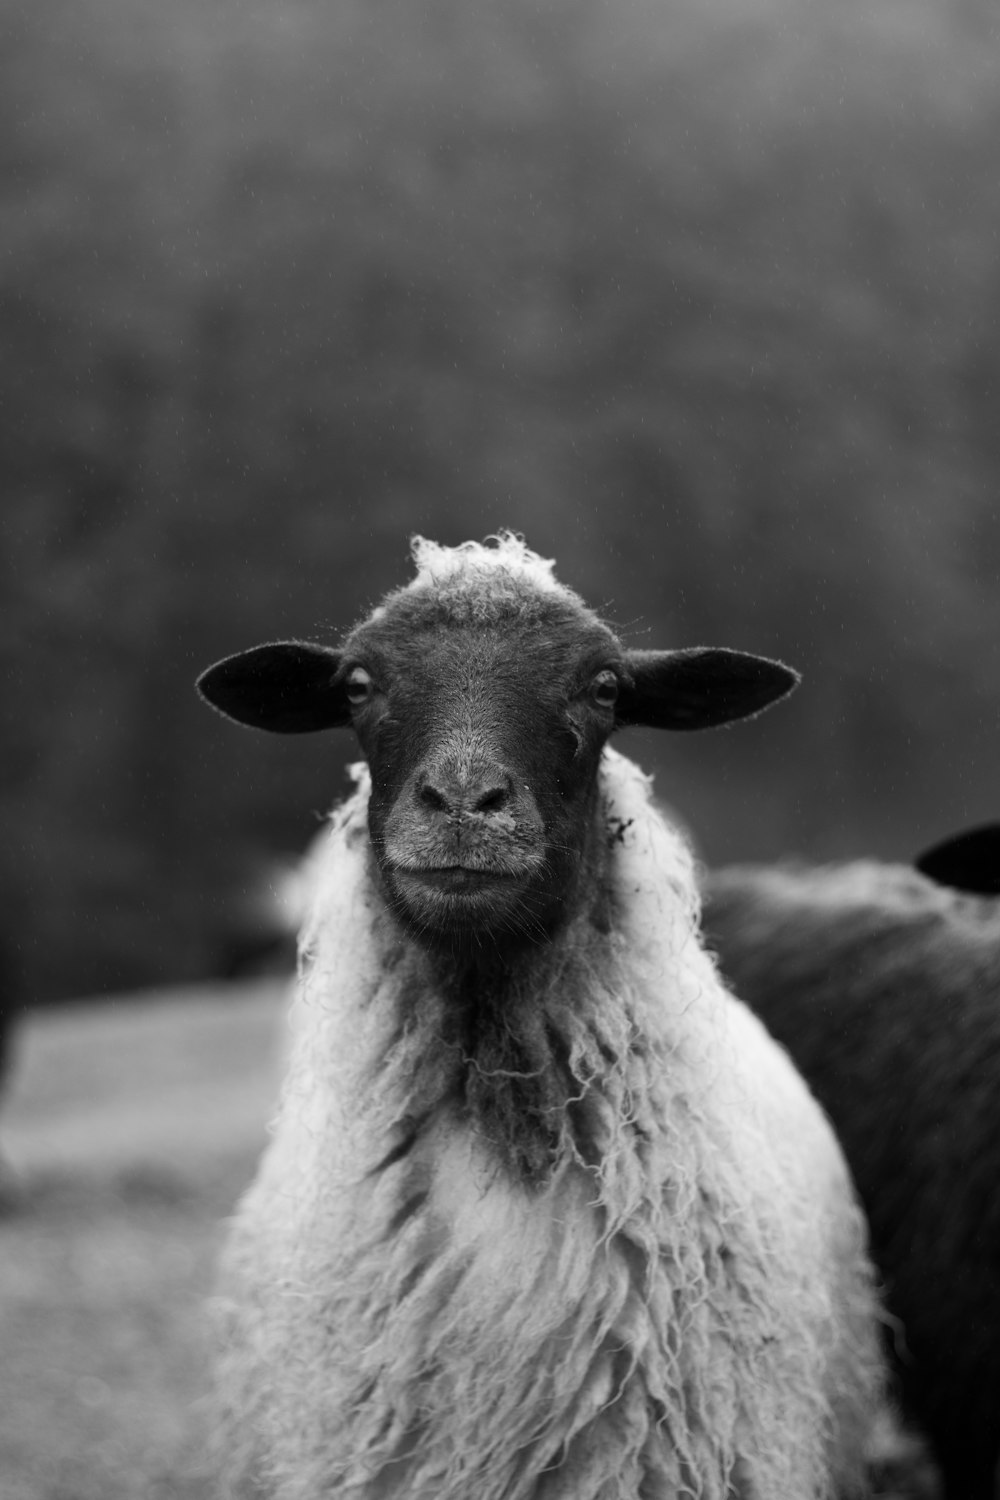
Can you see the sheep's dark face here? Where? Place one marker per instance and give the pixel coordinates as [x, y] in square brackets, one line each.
[483, 745]
[482, 695]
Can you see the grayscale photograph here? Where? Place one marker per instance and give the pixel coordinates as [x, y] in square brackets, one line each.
[500, 812]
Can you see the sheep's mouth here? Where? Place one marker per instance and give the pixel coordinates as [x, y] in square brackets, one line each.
[453, 880]
[453, 905]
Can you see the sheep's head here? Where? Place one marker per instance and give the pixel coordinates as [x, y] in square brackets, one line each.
[482, 694]
[968, 861]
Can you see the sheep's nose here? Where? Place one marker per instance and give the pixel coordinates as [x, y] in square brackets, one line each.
[457, 795]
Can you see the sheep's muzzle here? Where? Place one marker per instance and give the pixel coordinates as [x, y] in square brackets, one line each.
[462, 849]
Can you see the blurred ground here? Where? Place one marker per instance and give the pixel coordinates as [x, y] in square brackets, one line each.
[131, 1129]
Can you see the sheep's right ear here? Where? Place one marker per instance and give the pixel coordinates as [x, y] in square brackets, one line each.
[286, 686]
[968, 862]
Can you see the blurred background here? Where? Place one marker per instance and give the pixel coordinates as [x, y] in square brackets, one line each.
[703, 296]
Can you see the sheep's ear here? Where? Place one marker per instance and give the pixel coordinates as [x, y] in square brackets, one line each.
[699, 688]
[286, 687]
[969, 862]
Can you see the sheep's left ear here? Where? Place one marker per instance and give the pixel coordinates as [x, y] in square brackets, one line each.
[699, 688]
[286, 686]
[968, 862]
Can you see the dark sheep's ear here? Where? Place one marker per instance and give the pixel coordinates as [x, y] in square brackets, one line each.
[968, 862]
[286, 687]
[699, 688]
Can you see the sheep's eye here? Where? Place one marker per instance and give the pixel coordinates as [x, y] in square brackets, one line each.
[358, 685]
[604, 689]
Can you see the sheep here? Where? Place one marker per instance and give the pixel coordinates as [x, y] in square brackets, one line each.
[545, 1214]
[885, 989]
[968, 861]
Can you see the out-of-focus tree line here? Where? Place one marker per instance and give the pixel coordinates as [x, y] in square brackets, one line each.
[703, 297]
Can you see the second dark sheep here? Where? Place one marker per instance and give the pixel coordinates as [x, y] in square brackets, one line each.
[885, 988]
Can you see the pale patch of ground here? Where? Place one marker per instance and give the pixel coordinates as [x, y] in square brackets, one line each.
[131, 1126]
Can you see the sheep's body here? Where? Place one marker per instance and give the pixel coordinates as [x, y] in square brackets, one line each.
[886, 991]
[682, 1307]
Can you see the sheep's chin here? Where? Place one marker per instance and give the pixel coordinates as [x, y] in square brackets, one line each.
[445, 903]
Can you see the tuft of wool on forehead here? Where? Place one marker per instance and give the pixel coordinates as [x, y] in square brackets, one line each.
[484, 583]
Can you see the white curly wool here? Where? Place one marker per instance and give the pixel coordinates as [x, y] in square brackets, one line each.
[506, 553]
[476, 580]
[688, 1314]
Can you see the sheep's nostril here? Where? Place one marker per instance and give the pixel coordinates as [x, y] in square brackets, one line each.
[432, 798]
[493, 799]
[460, 795]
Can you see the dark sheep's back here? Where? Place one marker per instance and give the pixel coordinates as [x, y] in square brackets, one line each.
[886, 991]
